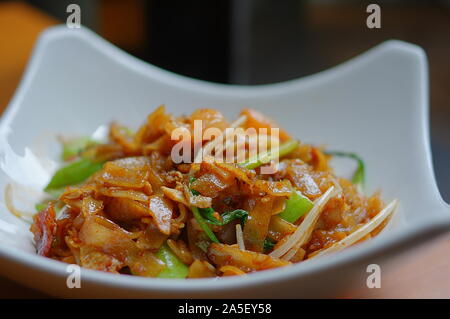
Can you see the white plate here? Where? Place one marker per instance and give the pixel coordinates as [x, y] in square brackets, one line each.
[376, 105]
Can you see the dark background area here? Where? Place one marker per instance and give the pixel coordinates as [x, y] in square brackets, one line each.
[265, 41]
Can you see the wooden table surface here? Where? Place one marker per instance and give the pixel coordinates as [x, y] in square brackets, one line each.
[423, 272]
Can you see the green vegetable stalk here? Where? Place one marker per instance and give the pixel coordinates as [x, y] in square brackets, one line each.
[72, 174]
[175, 268]
[205, 215]
[359, 177]
[201, 221]
[297, 205]
[266, 157]
[199, 216]
[227, 217]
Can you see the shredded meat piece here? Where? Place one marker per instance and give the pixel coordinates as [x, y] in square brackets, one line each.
[44, 229]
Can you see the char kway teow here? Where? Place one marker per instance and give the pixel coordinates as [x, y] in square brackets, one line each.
[124, 205]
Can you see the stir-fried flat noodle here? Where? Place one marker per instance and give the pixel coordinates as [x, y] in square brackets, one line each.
[140, 212]
[360, 232]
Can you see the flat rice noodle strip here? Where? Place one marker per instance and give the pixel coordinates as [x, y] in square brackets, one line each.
[319, 160]
[80, 192]
[238, 172]
[148, 189]
[279, 228]
[90, 206]
[154, 127]
[231, 271]
[300, 176]
[211, 179]
[279, 204]
[174, 124]
[112, 240]
[129, 172]
[282, 188]
[124, 193]
[151, 238]
[196, 200]
[155, 179]
[208, 185]
[44, 229]
[116, 175]
[303, 232]
[210, 118]
[93, 258]
[201, 269]
[107, 237]
[71, 241]
[162, 144]
[124, 209]
[175, 195]
[258, 120]
[247, 261]
[137, 163]
[183, 213]
[161, 210]
[361, 232]
[225, 176]
[119, 135]
[73, 196]
[257, 225]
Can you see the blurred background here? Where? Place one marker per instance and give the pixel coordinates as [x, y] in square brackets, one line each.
[246, 41]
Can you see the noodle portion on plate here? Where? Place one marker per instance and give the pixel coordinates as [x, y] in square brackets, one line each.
[129, 206]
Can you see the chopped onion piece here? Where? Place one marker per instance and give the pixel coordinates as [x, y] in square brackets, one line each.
[303, 232]
[361, 232]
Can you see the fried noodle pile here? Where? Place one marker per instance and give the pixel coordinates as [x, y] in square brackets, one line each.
[137, 212]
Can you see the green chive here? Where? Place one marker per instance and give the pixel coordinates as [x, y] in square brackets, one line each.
[203, 224]
[359, 177]
[266, 157]
[73, 173]
[297, 205]
[175, 268]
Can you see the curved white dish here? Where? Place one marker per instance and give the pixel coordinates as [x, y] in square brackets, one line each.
[376, 104]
